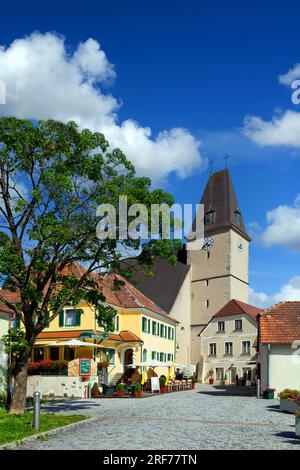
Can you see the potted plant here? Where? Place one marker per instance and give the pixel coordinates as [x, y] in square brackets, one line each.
[95, 390]
[194, 381]
[268, 393]
[138, 390]
[211, 377]
[288, 400]
[162, 384]
[297, 423]
[120, 390]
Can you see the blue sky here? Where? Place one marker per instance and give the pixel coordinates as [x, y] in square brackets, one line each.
[203, 67]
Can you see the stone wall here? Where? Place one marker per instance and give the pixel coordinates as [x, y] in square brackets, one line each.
[58, 386]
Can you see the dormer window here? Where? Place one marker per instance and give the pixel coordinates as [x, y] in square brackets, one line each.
[210, 217]
[238, 217]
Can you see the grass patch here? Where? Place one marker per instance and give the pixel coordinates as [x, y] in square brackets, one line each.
[15, 428]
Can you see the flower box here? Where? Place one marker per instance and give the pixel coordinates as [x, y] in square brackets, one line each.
[297, 426]
[288, 406]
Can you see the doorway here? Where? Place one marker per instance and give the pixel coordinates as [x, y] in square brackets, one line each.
[128, 358]
[232, 376]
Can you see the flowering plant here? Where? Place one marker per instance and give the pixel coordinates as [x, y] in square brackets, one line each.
[289, 394]
[297, 414]
[48, 367]
[268, 389]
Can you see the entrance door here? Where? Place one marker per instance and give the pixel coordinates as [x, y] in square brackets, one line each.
[128, 358]
[233, 372]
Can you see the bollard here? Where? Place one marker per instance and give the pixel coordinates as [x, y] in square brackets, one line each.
[258, 388]
[36, 410]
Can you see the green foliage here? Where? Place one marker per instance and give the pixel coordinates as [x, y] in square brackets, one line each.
[68, 173]
[15, 342]
[162, 380]
[120, 387]
[193, 379]
[137, 387]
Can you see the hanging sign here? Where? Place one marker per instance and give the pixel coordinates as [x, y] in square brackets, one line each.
[84, 366]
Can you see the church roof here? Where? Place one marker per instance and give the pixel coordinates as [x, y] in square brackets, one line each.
[219, 196]
[164, 285]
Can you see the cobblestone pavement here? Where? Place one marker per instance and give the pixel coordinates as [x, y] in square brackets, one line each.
[205, 418]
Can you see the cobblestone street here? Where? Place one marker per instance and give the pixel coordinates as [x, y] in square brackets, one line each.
[205, 418]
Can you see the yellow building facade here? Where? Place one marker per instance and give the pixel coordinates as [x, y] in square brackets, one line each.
[140, 335]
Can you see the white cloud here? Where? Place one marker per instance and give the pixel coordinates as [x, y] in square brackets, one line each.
[283, 226]
[283, 129]
[289, 291]
[290, 76]
[44, 80]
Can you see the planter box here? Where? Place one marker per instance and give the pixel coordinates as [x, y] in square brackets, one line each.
[297, 427]
[268, 395]
[287, 406]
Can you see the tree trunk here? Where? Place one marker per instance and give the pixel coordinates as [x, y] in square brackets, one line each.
[20, 373]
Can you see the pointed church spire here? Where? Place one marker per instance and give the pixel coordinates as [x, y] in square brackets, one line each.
[221, 207]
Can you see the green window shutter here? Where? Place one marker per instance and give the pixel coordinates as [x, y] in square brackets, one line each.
[161, 331]
[143, 324]
[153, 356]
[149, 326]
[118, 323]
[153, 329]
[161, 357]
[78, 317]
[61, 318]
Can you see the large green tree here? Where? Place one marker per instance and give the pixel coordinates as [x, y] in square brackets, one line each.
[52, 179]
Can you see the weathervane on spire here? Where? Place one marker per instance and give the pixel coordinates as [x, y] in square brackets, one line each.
[211, 166]
[226, 158]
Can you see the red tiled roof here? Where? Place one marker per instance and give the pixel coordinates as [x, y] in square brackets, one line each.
[126, 295]
[11, 297]
[281, 323]
[123, 336]
[236, 307]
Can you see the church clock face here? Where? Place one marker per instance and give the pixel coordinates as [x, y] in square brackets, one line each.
[207, 244]
[240, 245]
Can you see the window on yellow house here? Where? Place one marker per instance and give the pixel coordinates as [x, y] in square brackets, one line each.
[162, 331]
[70, 317]
[108, 354]
[163, 357]
[154, 355]
[54, 353]
[144, 355]
[38, 354]
[155, 328]
[145, 325]
[117, 322]
[170, 357]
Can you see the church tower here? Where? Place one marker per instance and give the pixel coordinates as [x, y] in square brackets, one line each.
[219, 269]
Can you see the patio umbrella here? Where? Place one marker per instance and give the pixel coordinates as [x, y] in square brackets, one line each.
[73, 343]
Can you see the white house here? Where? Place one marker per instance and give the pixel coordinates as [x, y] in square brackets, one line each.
[4, 326]
[279, 346]
[227, 345]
